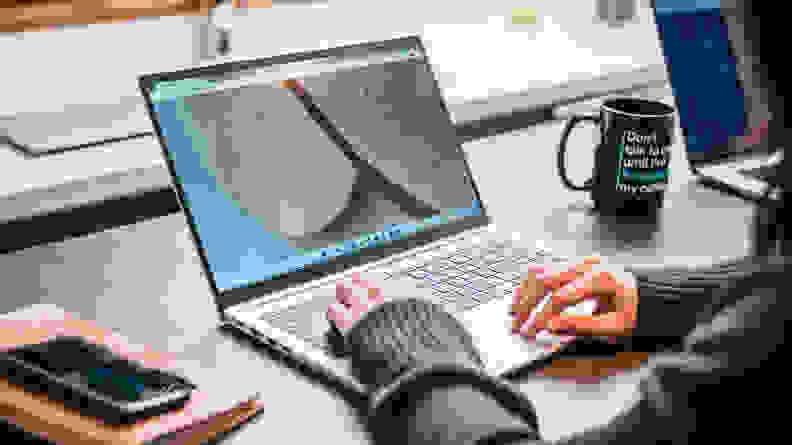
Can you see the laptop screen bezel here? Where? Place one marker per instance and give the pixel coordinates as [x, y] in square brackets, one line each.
[231, 297]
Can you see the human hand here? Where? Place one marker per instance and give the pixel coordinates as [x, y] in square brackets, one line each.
[387, 338]
[541, 280]
[354, 300]
[614, 289]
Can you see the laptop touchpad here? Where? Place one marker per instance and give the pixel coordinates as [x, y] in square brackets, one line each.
[501, 350]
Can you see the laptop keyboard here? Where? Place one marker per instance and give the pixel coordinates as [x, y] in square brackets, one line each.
[471, 276]
[459, 279]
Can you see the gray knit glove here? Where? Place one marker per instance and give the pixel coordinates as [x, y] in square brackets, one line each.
[398, 336]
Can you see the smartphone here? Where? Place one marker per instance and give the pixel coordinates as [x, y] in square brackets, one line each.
[94, 380]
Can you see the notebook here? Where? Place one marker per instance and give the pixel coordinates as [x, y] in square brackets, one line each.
[76, 126]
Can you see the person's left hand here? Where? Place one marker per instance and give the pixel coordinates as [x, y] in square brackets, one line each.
[355, 299]
[385, 339]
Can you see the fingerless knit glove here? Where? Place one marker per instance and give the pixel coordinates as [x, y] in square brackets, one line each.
[403, 350]
[401, 335]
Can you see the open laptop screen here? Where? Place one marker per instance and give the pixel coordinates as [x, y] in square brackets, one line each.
[289, 166]
[709, 71]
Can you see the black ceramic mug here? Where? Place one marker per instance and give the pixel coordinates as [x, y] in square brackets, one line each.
[631, 159]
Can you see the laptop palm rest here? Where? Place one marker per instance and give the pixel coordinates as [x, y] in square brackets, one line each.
[501, 350]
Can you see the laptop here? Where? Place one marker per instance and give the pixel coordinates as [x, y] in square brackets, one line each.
[721, 111]
[298, 170]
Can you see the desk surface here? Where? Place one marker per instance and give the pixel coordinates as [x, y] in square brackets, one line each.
[145, 280]
[484, 67]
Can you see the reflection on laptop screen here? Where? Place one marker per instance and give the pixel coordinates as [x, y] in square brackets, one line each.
[289, 165]
[697, 44]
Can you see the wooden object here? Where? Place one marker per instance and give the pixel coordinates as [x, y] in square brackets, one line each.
[592, 370]
[35, 413]
[40, 15]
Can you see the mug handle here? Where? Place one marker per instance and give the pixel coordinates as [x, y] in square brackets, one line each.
[574, 120]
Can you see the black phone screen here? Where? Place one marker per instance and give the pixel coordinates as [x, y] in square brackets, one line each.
[96, 368]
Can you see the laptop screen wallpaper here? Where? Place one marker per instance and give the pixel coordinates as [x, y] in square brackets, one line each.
[295, 164]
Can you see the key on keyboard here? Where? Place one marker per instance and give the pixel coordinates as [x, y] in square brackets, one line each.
[470, 276]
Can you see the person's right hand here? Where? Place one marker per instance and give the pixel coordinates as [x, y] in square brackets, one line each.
[614, 289]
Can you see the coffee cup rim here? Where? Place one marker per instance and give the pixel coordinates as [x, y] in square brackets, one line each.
[637, 115]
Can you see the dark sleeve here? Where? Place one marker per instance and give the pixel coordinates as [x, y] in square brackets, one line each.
[447, 403]
[688, 296]
[465, 415]
[478, 410]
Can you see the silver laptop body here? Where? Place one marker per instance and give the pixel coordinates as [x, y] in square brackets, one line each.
[296, 171]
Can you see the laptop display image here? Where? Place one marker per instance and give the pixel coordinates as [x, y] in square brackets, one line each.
[270, 192]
